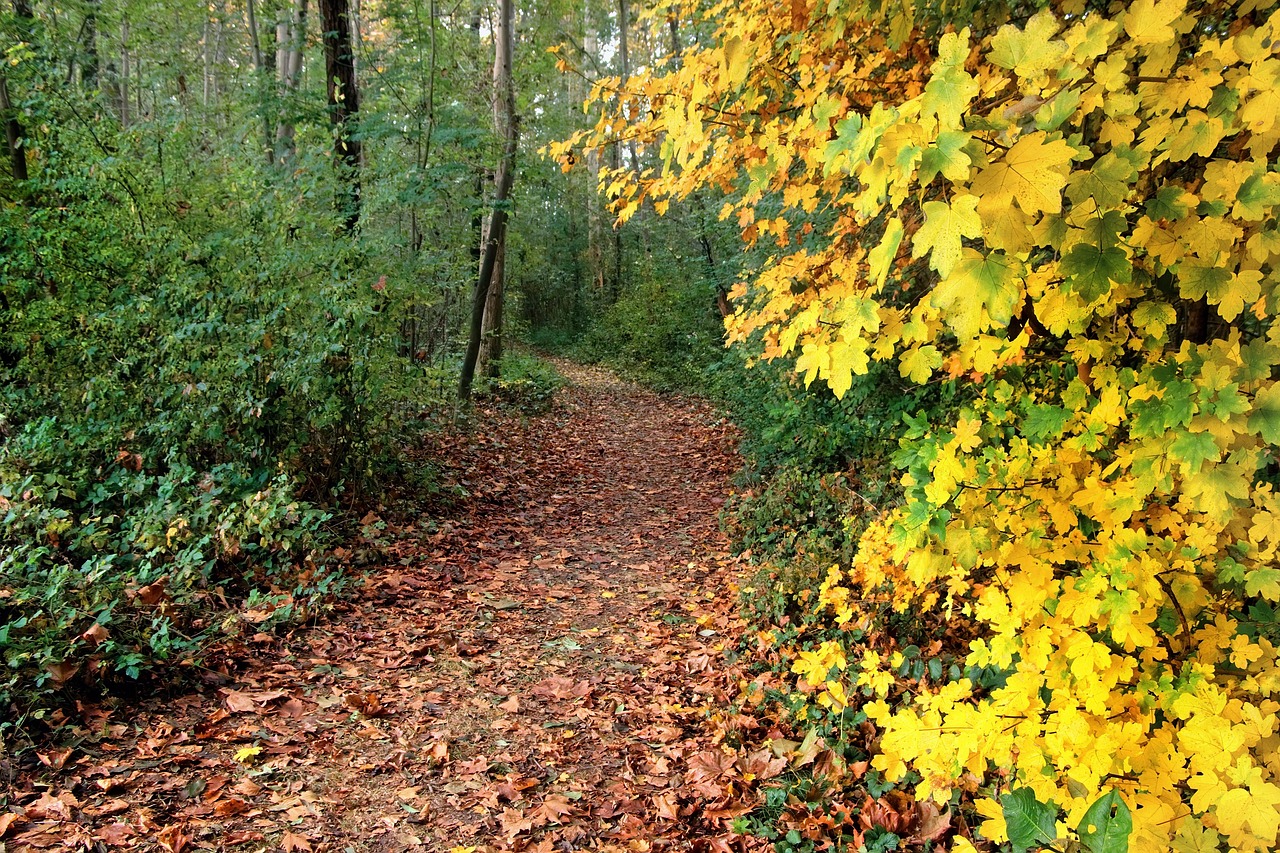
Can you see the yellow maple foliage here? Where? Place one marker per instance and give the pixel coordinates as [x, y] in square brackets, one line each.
[1076, 212]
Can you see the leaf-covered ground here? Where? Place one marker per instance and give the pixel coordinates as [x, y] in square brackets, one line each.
[547, 669]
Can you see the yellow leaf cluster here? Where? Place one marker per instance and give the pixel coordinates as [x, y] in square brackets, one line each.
[1076, 214]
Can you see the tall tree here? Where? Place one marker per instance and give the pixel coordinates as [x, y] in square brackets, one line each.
[509, 132]
[344, 99]
[13, 129]
[291, 37]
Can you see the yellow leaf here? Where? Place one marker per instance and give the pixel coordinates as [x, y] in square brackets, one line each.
[1151, 21]
[944, 227]
[247, 754]
[1032, 173]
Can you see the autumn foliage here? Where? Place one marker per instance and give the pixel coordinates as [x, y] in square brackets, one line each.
[1070, 212]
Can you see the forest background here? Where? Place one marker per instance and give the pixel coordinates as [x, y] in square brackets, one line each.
[1023, 527]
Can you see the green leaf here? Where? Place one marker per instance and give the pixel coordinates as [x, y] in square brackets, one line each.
[992, 282]
[946, 156]
[1090, 269]
[1106, 182]
[1029, 821]
[1154, 317]
[1044, 421]
[1106, 826]
[1265, 419]
[1193, 449]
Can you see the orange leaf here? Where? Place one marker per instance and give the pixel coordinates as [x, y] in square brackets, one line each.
[291, 841]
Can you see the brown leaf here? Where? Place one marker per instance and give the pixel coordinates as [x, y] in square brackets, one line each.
[95, 635]
[291, 841]
[48, 807]
[668, 807]
[554, 808]
[110, 807]
[173, 839]
[230, 808]
[62, 672]
[116, 834]
[247, 703]
[933, 824]
[366, 703]
[514, 822]
[247, 787]
[711, 764]
[559, 687]
[7, 820]
[54, 758]
[512, 705]
[153, 593]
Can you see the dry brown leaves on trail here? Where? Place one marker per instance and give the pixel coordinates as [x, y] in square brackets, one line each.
[547, 671]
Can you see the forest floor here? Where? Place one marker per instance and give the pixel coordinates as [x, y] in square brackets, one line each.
[548, 667]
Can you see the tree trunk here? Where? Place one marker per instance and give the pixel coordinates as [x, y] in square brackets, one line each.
[124, 74]
[291, 39]
[89, 68]
[491, 329]
[595, 213]
[505, 109]
[13, 130]
[260, 79]
[624, 56]
[344, 101]
[13, 134]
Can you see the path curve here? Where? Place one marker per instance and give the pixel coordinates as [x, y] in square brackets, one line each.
[548, 671]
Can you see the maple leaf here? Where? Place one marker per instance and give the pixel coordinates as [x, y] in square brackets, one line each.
[944, 227]
[950, 90]
[1032, 50]
[1151, 21]
[1032, 174]
[978, 282]
[1265, 419]
[1250, 815]
[1090, 269]
[291, 842]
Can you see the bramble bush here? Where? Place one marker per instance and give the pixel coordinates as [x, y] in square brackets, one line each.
[200, 373]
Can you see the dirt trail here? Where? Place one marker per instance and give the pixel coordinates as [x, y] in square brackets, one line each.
[544, 672]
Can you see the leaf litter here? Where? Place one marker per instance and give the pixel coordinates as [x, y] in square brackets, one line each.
[549, 669]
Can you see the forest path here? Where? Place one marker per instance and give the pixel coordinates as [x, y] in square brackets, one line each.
[546, 671]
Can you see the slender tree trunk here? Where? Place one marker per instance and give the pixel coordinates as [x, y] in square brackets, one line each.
[595, 213]
[624, 57]
[491, 329]
[291, 39]
[260, 80]
[89, 68]
[13, 130]
[344, 101]
[206, 63]
[124, 73]
[504, 97]
[13, 133]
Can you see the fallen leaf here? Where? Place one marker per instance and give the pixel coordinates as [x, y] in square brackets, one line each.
[173, 839]
[512, 705]
[7, 820]
[933, 823]
[247, 787]
[115, 834]
[62, 672]
[291, 841]
[54, 758]
[230, 808]
[48, 807]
